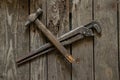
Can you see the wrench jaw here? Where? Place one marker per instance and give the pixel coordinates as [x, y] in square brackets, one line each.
[86, 32]
[94, 25]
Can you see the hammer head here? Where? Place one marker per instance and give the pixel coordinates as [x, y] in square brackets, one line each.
[32, 17]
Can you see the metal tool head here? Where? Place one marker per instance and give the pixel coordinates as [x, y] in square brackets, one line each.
[87, 32]
[94, 25]
[32, 17]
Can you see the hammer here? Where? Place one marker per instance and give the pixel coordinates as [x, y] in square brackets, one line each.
[34, 18]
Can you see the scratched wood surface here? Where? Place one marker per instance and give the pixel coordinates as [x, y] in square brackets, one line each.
[83, 50]
[98, 57]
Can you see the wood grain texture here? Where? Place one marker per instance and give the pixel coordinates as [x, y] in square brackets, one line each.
[13, 43]
[21, 40]
[83, 49]
[2, 40]
[38, 65]
[118, 17]
[7, 62]
[58, 24]
[106, 47]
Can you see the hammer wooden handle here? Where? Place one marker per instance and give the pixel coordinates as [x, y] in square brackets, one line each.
[54, 41]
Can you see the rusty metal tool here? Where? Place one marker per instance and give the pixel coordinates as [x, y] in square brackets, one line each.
[34, 18]
[66, 39]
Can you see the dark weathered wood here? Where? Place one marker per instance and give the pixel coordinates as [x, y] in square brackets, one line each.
[12, 40]
[118, 25]
[83, 50]
[39, 65]
[58, 24]
[106, 47]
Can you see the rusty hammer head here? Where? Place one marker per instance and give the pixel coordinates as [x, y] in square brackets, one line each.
[32, 17]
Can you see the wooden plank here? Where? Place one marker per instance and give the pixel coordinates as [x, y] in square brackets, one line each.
[106, 46]
[83, 50]
[38, 65]
[58, 24]
[118, 22]
[13, 43]
[7, 65]
[21, 40]
[2, 39]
